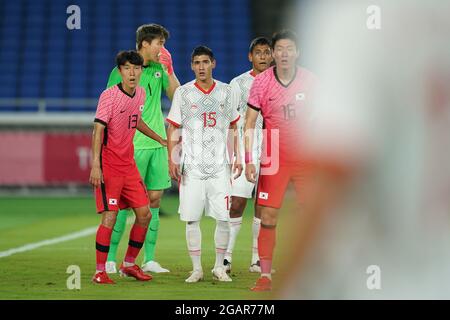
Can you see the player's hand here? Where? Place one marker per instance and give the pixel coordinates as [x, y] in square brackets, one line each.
[237, 168]
[96, 177]
[250, 172]
[174, 170]
[165, 58]
[163, 142]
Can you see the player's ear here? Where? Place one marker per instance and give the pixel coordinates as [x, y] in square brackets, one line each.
[250, 57]
[213, 63]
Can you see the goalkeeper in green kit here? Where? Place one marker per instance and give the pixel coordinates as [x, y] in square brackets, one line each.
[150, 156]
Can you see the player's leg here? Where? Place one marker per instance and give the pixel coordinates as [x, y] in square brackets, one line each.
[236, 211]
[157, 180]
[218, 194]
[256, 226]
[134, 194]
[142, 160]
[241, 191]
[107, 204]
[118, 230]
[192, 203]
[270, 194]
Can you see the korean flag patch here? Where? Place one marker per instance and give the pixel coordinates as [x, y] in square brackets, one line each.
[141, 108]
[157, 74]
[300, 96]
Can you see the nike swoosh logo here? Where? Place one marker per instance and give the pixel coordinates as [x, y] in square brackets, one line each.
[122, 111]
[271, 99]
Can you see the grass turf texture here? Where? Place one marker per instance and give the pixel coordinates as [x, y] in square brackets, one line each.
[41, 273]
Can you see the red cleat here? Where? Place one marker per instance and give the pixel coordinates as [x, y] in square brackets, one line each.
[102, 278]
[135, 272]
[262, 284]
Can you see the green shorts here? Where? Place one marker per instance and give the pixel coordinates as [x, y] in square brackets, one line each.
[154, 167]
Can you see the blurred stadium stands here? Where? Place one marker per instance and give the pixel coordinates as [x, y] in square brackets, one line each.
[52, 77]
[42, 61]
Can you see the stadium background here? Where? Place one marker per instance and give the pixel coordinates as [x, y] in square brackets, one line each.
[51, 78]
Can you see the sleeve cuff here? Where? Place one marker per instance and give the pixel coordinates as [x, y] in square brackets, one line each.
[100, 121]
[254, 107]
[235, 120]
[173, 123]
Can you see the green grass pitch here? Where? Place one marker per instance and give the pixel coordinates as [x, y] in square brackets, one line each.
[41, 273]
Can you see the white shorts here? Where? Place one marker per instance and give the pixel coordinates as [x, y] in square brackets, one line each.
[243, 188]
[212, 196]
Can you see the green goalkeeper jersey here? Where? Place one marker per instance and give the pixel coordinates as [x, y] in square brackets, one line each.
[154, 80]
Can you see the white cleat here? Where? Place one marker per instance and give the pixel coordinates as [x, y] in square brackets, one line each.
[219, 273]
[153, 266]
[196, 276]
[110, 267]
[256, 268]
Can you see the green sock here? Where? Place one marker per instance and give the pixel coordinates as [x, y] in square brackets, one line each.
[152, 235]
[119, 228]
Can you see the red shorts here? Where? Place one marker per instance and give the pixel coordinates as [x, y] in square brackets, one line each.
[121, 192]
[271, 188]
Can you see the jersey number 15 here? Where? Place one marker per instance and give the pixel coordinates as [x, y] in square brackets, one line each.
[209, 119]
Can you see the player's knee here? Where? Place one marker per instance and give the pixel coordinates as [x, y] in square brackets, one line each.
[269, 215]
[155, 198]
[143, 216]
[237, 207]
[109, 219]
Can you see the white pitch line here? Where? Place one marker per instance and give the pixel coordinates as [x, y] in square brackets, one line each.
[35, 245]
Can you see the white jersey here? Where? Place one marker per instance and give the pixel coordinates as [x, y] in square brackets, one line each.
[241, 85]
[204, 118]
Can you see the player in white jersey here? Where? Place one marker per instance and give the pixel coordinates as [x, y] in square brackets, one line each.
[204, 110]
[260, 55]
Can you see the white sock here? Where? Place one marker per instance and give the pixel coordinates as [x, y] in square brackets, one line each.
[194, 243]
[221, 236]
[127, 264]
[255, 230]
[235, 226]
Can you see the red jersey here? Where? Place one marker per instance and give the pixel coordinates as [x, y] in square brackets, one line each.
[282, 106]
[120, 113]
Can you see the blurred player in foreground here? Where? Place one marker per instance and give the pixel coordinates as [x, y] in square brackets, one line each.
[283, 94]
[114, 174]
[377, 213]
[260, 56]
[204, 109]
[151, 157]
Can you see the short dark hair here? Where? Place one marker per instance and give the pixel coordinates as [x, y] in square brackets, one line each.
[130, 56]
[258, 41]
[148, 32]
[202, 50]
[284, 34]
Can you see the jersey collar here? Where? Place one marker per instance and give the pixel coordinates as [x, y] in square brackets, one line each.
[205, 91]
[290, 81]
[121, 89]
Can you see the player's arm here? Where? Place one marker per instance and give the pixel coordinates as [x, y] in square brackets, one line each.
[173, 137]
[165, 58]
[96, 177]
[249, 129]
[237, 165]
[142, 127]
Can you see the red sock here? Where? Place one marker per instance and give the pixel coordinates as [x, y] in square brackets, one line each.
[102, 241]
[137, 237]
[266, 243]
